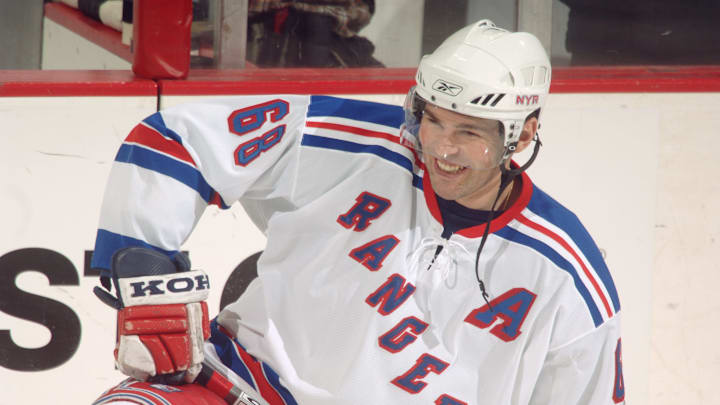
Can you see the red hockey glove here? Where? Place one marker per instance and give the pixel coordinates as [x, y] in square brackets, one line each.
[162, 315]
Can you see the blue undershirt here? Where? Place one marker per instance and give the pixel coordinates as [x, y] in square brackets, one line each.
[456, 216]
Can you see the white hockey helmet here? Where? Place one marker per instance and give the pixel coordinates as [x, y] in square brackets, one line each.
[487, 72]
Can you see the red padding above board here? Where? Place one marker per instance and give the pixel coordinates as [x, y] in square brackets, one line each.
[161, 38]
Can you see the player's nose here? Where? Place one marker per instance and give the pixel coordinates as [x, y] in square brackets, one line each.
[446, 149]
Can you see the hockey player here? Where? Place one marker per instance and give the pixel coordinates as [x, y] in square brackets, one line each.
[408, 259]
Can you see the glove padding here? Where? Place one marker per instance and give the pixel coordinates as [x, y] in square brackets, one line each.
[162, 315]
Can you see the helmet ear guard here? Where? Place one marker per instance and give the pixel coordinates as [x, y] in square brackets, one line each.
[487, 72]
[414, 106]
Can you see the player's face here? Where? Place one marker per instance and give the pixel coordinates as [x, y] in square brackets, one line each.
[450, 178]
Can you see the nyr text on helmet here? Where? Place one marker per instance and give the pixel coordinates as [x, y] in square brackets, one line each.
[527, 100]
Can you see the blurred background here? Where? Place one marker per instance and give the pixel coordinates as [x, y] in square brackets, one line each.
[395, 33]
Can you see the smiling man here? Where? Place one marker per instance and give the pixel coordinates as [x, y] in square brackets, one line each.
[409, 260]
[461, 152]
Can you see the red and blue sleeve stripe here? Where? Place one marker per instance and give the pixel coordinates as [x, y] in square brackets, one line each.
[153, 146]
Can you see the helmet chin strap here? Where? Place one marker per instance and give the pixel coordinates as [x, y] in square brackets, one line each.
[509, 174]
[506, 178]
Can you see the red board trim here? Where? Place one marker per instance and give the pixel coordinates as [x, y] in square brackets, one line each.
[61, 83]
[636, 79]
[640, 79]
[88, 28]
[629, 79]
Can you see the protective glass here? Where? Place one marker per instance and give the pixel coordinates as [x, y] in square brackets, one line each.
[461, 147]
[457, 143]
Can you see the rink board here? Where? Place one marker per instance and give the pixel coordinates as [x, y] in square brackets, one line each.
[626, 162]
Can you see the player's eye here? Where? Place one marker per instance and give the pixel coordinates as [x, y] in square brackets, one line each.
[432, 120]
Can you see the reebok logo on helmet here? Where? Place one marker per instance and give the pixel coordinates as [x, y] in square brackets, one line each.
[447, 87]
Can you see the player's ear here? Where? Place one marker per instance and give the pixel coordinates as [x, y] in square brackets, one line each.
[528, 133]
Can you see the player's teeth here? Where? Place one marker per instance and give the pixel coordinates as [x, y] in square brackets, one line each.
[448, 167]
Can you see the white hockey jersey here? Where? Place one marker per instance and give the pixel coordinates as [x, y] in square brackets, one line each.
[349, 306]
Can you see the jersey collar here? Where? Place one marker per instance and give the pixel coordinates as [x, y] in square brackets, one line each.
[498, 223]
